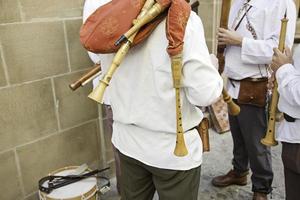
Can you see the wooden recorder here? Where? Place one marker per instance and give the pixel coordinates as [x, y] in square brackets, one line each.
[269, 139]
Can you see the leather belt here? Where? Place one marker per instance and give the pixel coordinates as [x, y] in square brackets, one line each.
[251, 79]
[288, 118]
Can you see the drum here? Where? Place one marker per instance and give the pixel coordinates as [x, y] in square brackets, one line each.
[219, 116]
[85, 189]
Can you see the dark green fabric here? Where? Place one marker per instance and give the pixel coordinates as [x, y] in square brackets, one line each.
[139, 182]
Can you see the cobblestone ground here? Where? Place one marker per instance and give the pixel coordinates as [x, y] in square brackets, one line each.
[217, 162]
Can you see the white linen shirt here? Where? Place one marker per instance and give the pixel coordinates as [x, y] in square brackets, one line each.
[288, 78]
[142, 98]
[249, 60]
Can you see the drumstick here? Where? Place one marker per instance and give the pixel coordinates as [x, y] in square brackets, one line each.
[75, 85]
[91, 78]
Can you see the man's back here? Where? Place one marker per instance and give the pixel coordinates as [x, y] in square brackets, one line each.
[142, 97]
[145, 85]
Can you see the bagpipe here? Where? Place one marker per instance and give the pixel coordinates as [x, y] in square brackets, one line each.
[121, 24]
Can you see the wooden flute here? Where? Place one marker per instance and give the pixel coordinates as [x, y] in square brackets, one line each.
[269, 139]
[233, 108]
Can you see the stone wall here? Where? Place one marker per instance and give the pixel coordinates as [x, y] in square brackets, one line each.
[209, 11]
[43, 124]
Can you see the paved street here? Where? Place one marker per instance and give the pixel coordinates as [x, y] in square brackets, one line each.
[217, 162]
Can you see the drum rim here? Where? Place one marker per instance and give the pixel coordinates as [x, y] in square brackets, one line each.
[94, 189]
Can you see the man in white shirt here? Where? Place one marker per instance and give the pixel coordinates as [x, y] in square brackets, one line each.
[254, 28]
[142, 98]
[288, 79]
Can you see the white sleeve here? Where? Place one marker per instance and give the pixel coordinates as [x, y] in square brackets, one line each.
[288, 79]
[91, 6]
[201, 80]
[292, 17]
[261, 51]
[88, 9]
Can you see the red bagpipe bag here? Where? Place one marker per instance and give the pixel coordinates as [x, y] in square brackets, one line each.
[105, 26]
[178, 15]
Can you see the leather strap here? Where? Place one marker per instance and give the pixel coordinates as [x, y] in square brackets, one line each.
[238, 25]
[250, 79]
[288, 118]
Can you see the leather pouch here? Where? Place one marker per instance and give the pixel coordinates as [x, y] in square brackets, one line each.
[204, 134]
[253, 92]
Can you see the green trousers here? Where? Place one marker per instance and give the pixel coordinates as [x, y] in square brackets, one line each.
[140, 181]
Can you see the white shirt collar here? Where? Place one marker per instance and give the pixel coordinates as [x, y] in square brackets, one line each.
[257, 3]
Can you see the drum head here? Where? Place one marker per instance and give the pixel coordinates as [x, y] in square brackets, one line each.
[73, 190]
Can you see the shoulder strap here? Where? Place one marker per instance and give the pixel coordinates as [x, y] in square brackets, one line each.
[238, 24]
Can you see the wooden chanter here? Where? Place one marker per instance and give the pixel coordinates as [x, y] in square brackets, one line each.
[269, 139]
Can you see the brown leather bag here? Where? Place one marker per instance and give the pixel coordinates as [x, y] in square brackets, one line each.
[253, 92]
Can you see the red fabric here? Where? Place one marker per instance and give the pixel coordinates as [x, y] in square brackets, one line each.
[164, 3]
[102, 29]
[178, 16]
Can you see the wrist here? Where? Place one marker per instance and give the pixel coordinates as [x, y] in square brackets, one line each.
[240, 41]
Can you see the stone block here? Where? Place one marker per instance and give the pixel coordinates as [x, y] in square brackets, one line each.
[79, 58]
[209, 44]
[34, 50]
[51, 8]
[107, 132]
[74, 107]
[26, 113]
[9, 11]
[207, 15]
[2, 75]
[72, 147]
[112, 171]
[10, 187]
[34, 196]
[110, 155]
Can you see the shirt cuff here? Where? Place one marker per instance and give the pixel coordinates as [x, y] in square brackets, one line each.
[247, 50]
[246, 44]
